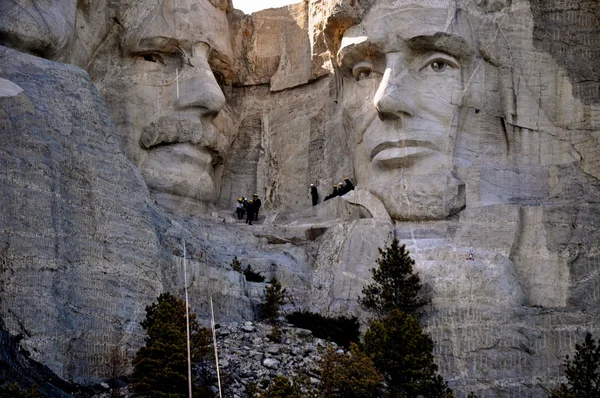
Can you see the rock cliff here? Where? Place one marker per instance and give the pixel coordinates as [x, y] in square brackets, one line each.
[88, 238]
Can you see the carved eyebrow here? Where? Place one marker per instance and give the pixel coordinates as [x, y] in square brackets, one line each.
[359, 51]
[445, 42]
[158, 43]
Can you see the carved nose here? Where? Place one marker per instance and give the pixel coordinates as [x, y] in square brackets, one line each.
[201, 91]
[394, 97]
[394, 100]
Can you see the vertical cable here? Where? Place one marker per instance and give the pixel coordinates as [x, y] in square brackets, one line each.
[187, 322]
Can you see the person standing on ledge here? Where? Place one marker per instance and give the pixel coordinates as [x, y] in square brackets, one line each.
[257, 204]
[314, 193]
[240, 208]
[250, 210]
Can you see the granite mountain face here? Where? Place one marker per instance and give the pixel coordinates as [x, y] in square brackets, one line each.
[464, 125]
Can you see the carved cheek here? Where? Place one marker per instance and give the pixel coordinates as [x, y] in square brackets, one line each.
[358, 106]
[440, 96]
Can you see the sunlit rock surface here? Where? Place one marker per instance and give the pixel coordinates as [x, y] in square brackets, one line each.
[86, 242]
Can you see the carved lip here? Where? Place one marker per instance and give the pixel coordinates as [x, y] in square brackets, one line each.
[403, 148]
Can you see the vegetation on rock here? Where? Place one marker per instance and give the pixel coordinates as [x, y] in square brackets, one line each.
[395, 286]
[160, 367]
[253, 276]
[236, 265]
[395, 340]
[403, 353]
[350, 375]
[274, 299]
[282, 387]
[14, 390]
[341, 330]
[583, 372]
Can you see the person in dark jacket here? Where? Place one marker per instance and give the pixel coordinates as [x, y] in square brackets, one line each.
[348, 186]
[250, 210]
[332, 194]
[257, 204]
[314, 194]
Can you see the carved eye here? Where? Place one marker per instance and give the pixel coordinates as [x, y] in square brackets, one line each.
[440, 62]
[152, 57]
[219, 78]
[362, 70]
[438, 66]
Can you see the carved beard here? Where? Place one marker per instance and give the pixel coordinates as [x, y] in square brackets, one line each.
[429, 196]
[426, 197]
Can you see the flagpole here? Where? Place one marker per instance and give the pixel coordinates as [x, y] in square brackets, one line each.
[187, 323]
[212, 324]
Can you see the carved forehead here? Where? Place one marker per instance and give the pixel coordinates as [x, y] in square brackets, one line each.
[177, 21]
[396, 25]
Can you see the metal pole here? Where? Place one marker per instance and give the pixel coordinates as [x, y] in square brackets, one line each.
[177, 79]
[187, 323]
[212, 324]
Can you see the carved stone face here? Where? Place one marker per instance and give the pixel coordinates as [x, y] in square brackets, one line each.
[404, 87]
[165, 96]
[40, 27]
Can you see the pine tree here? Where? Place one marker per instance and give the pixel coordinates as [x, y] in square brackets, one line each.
[274, 299]
[403, 353]
[14, 391]
[236, 265]
[281, 387]
[583, 372]
[395, 286]
[160, 366]
[349, 375]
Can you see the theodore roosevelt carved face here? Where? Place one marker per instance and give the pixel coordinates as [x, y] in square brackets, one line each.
[407, 71]
[165, 94]
[39, 27]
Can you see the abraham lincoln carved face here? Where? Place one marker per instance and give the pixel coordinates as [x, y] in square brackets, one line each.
[408, 70]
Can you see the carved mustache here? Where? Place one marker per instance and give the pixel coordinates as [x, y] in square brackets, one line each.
[402, 144]
[170, 130]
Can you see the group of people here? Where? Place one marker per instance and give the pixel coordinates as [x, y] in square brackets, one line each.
[249, 208]
[338, 190]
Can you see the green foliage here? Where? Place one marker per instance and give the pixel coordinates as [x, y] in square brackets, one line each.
[403, 353]
[236, 265]
[160, 366]
[14, 391]
[583, 372]
[274, 299]
[251, 390]
[395, 286]
[349, 375]
[471, 395]
[276, 334]
[281, 387]
[252, 276]
[562, 392]
[342, 330]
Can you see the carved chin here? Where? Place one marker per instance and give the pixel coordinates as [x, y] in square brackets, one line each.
[431, 197]
[180, 170]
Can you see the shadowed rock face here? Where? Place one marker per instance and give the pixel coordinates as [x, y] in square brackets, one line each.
[41, 27]
[459, 132]
[569, 31]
